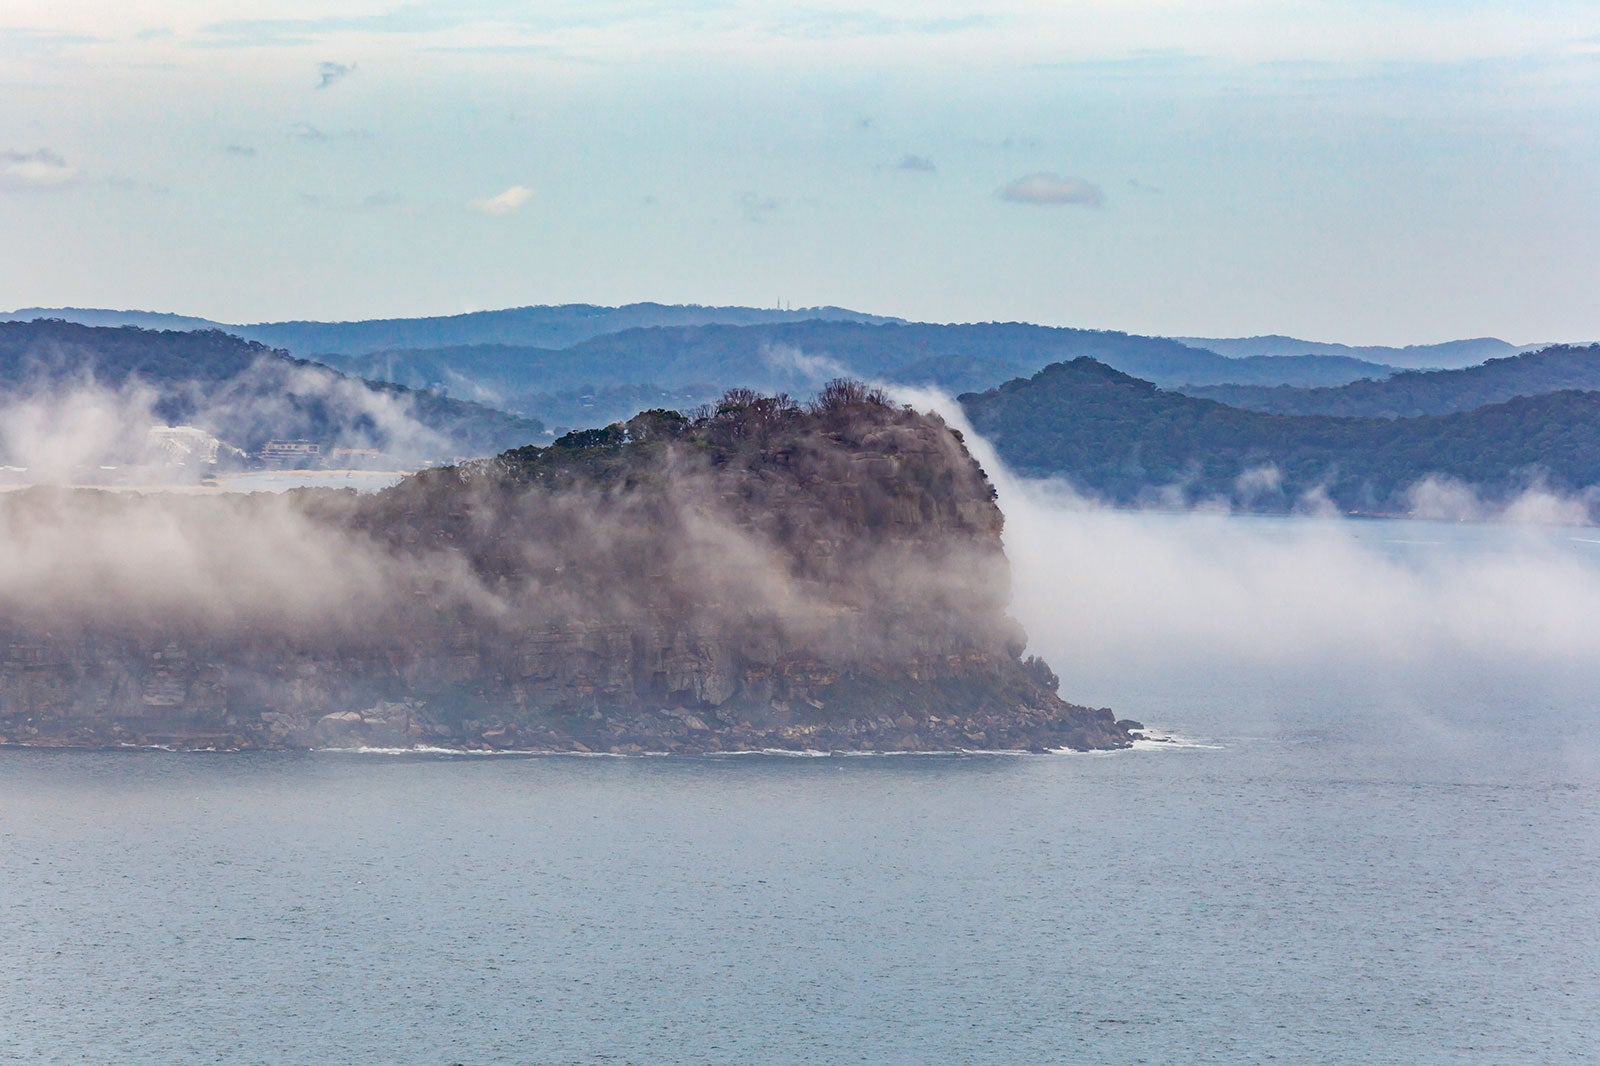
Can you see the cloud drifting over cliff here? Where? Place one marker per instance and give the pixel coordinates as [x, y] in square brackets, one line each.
[1110, 596]
[718, 561]
[83, 431]
[128, 563]
[1107, 596]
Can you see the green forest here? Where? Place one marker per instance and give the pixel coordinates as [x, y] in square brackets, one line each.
[1124, 440]
[1412, 393]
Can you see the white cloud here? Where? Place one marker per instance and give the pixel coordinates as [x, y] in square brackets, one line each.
[1051, 190]
[506, 202]
[39, 169]
[1111, 591]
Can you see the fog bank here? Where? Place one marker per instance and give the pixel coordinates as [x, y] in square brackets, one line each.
[81, 430]
[1107, 592]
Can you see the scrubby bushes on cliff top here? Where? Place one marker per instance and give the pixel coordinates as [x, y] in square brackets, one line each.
[742, 421]
[821, 493]
[760, 574]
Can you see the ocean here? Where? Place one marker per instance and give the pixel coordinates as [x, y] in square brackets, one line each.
[1374, 838]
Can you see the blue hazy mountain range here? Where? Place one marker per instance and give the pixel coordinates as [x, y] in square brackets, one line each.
[1106, 410]
[552, 326]
[1412, 393]
[1449, 355]
[560, 326]
[243, 392]
[1124, 440]
[580, 364]
[698, 362]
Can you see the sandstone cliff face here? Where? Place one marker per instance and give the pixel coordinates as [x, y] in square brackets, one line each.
[759, 577]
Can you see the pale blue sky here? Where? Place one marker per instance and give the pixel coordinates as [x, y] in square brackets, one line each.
[1365, 172]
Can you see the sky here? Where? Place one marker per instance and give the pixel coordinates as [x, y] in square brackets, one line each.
[1364, 171]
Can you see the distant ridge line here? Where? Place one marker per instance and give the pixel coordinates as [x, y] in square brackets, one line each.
[1443, 355]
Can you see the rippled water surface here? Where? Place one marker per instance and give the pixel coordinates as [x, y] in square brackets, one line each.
[1354, 868]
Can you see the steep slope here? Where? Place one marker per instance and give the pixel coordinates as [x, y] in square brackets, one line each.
[765, 576]
[240, 391]
[1416, 392]
[1126, 440]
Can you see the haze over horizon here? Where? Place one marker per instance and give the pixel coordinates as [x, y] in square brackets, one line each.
[1393, 173]
[16, 313]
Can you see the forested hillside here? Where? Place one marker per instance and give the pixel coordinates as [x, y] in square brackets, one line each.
[1417, 392]
[1444, 355]
[1124, 439]
[797, 357]
[549, 326]
[240, 391]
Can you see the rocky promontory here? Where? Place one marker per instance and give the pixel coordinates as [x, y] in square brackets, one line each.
[759, 576]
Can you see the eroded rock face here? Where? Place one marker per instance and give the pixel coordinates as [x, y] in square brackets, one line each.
[760, 577]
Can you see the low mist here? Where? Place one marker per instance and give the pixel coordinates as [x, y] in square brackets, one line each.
[740, 557]
[1107, 596]
[231, 565]
[1201, 598]
[84, 431]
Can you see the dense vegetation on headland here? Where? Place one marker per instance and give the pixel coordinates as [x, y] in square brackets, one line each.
[759, 575]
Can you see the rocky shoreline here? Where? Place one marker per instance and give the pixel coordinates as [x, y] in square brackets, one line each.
[354, 731]
[761, 577]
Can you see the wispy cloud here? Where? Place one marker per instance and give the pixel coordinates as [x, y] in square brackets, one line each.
[39, 169]
[921, 164]
[512, 199]
[27, 38]
[332, 74]
[409, 18]
[305, 131]
[1049, 189]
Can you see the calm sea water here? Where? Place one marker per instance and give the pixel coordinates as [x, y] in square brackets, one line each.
[1357, 860]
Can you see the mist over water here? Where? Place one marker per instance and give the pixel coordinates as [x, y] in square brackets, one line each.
[1516, 584]
[79, 430]
[1104, 594]
[1384, 853]
[1122, 587]
[1428, 639]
